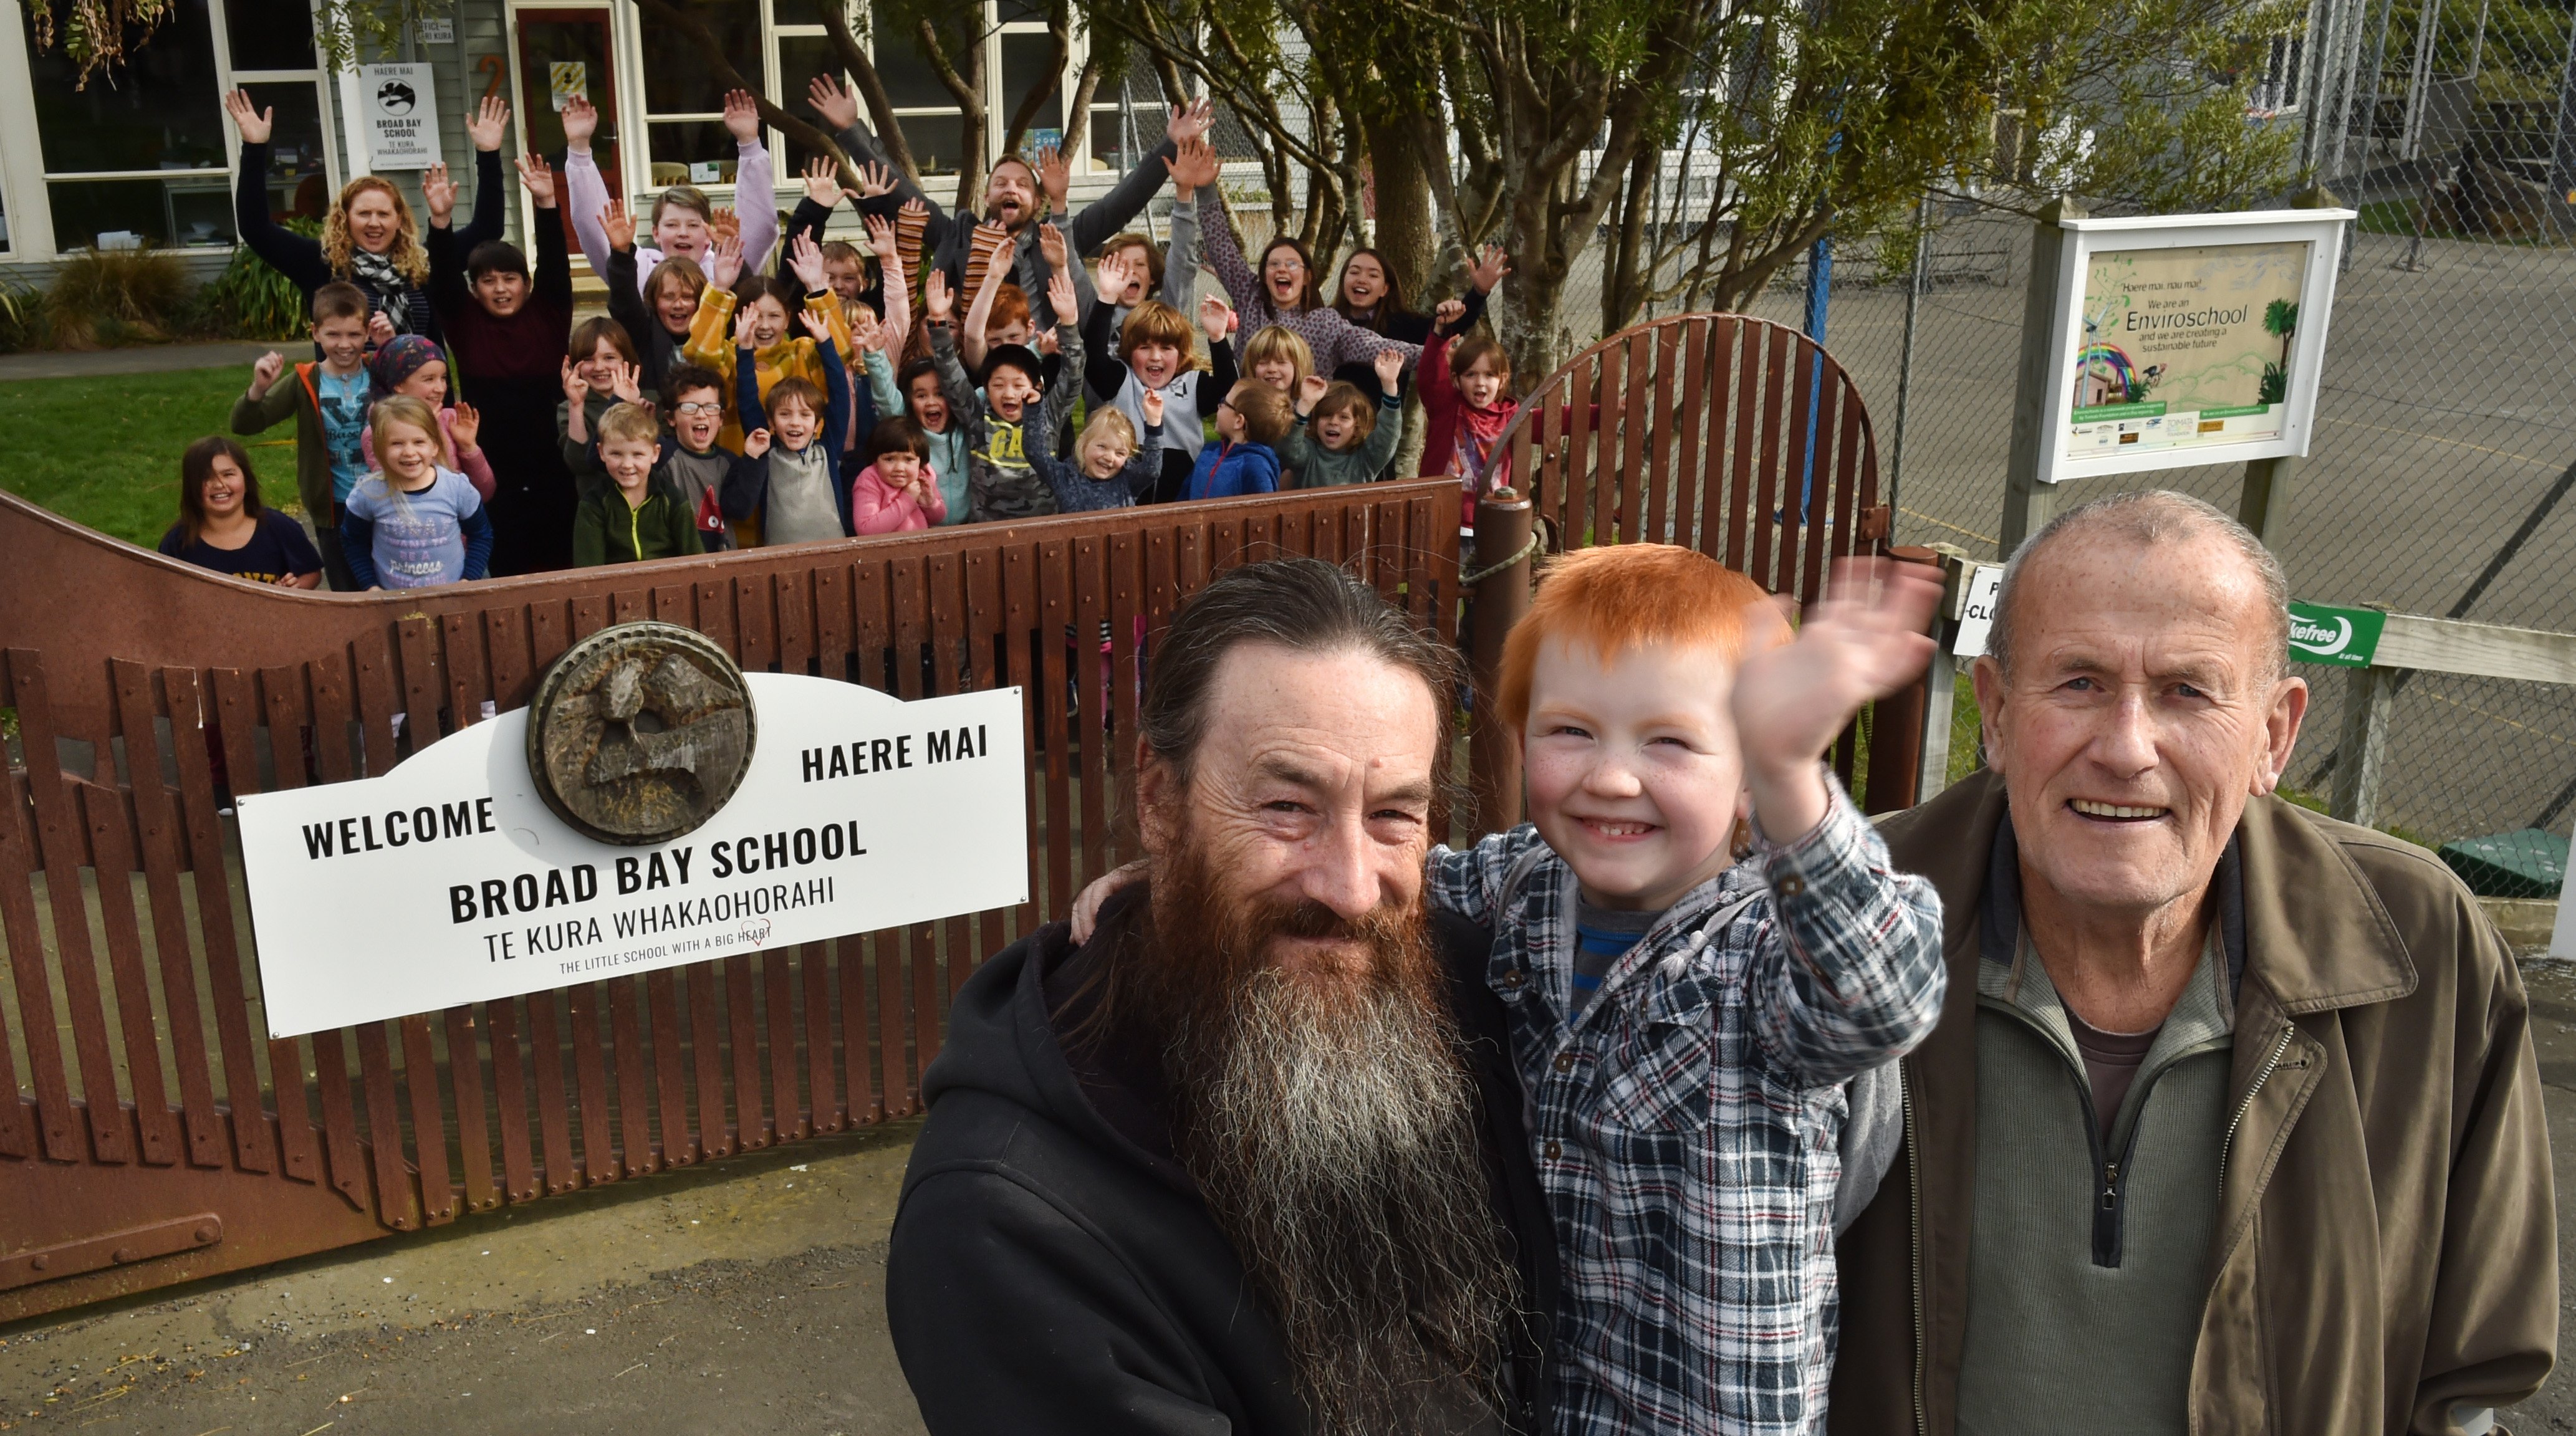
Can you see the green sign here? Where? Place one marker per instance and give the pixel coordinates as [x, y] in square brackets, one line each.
[2343, 637]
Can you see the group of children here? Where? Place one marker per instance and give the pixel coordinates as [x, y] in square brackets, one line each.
[719, 404]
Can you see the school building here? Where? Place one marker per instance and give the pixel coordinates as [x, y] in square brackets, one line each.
[143, 155]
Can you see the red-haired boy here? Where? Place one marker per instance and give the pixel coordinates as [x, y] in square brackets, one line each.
[1699, 944]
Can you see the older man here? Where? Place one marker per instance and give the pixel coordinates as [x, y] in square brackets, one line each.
[1248, 1160]
[2232, 1123]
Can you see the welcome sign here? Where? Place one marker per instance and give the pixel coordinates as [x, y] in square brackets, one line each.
[466, 874]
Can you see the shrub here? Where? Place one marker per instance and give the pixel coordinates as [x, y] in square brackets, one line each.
[249, 300]
[22, 318]
[109, 297]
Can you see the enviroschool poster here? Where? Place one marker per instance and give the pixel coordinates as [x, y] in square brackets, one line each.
[2184, 348]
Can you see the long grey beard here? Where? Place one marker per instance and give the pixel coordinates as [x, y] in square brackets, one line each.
[1331, 1129]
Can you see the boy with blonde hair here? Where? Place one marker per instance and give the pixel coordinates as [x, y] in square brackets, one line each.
[638, 514]
[1698, 942]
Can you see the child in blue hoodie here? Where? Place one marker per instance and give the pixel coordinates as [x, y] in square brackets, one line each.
[1251, 421]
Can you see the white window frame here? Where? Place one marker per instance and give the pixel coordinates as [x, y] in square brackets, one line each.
[2290, 46]
[28, 185]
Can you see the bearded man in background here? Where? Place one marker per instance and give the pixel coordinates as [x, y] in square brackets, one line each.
[1250, 1159]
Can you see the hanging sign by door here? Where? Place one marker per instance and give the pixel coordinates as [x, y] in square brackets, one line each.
[401, 115]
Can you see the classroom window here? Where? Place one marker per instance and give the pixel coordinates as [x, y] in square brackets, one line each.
[266, 35]
[140, 156]
[2277, 92]
[684, 89]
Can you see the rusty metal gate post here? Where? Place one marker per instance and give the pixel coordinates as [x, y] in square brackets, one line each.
[1499, 589]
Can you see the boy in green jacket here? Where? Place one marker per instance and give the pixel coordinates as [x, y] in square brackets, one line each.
[328, 400]
[638, 515]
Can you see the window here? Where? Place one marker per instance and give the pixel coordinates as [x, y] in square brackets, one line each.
[685, 137]
[140, 157]
[2277, 92]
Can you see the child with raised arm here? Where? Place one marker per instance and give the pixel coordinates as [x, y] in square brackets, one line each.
[502, 324]
[1699, 943]
[599, 373]
[778, 351]
[328, 398]
[792, 481]
[1152, 358]
[1147, 272]
[1111, 468]
[410, 364]
[1343, 436]
[683, 220]
[416, 524]
[1004, 416]
[653, 304]
[636, 514]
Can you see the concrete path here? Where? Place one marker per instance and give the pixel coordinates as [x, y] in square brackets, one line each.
[141, 359]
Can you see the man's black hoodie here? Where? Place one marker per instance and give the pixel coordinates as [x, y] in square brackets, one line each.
[1055, 1270]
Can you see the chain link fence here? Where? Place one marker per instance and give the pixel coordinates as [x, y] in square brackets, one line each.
[2440, 475]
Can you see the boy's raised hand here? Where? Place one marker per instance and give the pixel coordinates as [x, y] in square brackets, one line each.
[465, 425]
[823, 183]
[1389, 364]
[881, 241]
[1864, 639]
[624, 381]
[576, 387]
[1217, 318]
[539, 177]
[724, 263]
[580, 122]
[491, 120]
[741, 116]
[1310, 392]
[255, 124]
[264, 372]
[438, 192]
[876, 179]
[618, 225]
[380, 329]
[805, 257]
[724, 223]
[1152, 404]
[1051, 248]
[1060, 296]
[937, 303]
[1111, 275]
[816, 325]
[755, 443]
[838, 107]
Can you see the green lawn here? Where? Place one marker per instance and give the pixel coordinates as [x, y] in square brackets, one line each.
[105, 451]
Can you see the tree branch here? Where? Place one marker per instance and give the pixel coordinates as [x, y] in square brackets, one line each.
[871, 87]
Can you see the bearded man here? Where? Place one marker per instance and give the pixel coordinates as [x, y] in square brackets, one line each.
[1251, 1158]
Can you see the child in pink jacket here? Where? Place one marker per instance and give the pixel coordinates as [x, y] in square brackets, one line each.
[896, 493]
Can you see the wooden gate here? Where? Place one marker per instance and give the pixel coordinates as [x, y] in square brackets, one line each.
[151, 1133]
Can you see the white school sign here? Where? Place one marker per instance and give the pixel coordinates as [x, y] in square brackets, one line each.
[450, 879]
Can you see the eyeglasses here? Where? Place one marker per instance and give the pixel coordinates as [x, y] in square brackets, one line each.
[697, 408]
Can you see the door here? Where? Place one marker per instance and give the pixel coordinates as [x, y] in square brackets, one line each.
[565, 53]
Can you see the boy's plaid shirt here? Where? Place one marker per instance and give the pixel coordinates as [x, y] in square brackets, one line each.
[1687, 1123]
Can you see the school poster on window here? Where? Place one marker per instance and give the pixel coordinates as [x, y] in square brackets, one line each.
[400, 112]
[665, 811]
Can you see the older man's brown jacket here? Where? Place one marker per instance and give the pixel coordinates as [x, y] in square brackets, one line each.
[2386, 1245]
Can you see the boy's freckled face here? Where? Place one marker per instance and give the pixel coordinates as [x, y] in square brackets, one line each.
[1635, 776]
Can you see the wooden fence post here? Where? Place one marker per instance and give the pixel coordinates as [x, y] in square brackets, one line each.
[2370, 695]
[1499, 593]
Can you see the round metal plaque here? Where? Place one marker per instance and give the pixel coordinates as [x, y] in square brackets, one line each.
[640, 732]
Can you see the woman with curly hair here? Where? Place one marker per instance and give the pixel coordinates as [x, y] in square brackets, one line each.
[368, 238]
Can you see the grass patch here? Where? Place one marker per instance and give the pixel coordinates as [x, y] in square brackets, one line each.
[104, 451]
